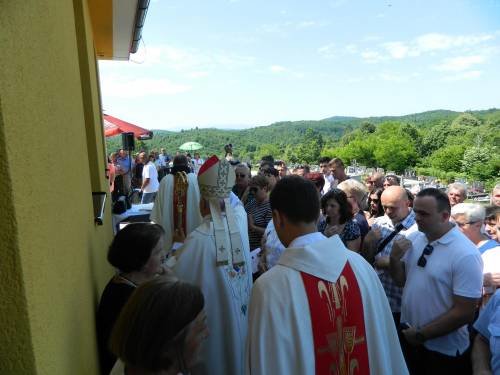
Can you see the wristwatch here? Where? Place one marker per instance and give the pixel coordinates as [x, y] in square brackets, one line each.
[420, 337]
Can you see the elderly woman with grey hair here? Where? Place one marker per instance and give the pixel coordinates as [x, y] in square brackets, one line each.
[356, 195]
[469, 218]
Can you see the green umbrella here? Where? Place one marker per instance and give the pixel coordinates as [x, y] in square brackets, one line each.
[190, 146]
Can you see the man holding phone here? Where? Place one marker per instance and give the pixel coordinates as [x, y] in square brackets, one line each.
[441, 271]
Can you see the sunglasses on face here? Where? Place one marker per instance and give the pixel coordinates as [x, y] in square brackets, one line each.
[422, 261]
[375, 200]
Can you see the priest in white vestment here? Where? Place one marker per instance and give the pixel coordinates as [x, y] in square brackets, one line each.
[321, 309]
[216, 257]
[177, 201]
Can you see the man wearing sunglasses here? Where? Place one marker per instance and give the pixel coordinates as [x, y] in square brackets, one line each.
[441, 271]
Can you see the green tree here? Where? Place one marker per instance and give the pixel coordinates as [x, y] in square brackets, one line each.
[367, 127]
[309, 150]
[267, 149]
[448, 158]
[481, 162]
[465, 120]
[395, 153]
[358, 149]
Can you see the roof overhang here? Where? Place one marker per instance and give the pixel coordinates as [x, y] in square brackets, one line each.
[117, 27]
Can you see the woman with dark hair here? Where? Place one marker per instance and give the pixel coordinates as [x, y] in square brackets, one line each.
[375, 208]
[160, 329]
[137, 253]
[339, 219]
[258, 210]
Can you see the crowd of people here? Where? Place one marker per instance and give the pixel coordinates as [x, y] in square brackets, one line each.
[143, 172]
[299, 272]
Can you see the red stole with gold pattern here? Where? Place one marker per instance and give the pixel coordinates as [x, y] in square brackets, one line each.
[338, 324]
[180, 200]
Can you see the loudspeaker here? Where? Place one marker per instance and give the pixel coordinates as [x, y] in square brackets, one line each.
[128, 141]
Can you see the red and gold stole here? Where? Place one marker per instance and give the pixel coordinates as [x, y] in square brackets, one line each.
[338, 324]
[180, 200]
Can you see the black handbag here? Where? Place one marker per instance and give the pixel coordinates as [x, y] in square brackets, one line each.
[121, 205]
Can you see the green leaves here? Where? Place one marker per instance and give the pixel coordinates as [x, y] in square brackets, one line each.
[444, 144]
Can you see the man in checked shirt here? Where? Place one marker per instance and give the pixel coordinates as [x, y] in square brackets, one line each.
[377, 245]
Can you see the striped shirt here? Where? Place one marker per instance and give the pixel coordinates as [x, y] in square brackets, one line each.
[262, 215]
[386, 227]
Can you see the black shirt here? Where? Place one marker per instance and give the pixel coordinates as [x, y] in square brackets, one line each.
[114, 297]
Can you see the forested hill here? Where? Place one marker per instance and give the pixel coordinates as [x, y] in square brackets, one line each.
[437, 140]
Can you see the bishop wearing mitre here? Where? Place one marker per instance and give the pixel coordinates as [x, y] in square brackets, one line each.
[216, 257]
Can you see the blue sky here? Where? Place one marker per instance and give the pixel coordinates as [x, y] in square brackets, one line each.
[244, 63]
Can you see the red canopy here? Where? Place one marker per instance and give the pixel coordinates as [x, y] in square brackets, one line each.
[114, 126]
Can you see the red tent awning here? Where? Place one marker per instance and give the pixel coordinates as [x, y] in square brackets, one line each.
[114, 126]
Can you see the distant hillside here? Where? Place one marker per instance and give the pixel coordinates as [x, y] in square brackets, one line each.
[280, 135]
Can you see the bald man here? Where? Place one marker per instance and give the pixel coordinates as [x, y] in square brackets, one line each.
[398, 221]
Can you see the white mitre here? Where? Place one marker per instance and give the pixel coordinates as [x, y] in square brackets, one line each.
[216, 178]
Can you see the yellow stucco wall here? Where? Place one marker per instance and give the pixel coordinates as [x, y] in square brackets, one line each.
[53, 256]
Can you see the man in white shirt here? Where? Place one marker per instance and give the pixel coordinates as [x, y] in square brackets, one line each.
[150, 181]
[325, 171]
[442, 274]
[197, 162]
[321, 309]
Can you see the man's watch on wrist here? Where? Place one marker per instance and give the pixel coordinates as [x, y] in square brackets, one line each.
[420, 337]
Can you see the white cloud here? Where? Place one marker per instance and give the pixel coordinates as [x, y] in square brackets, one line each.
[351, 48]
[327, 50]
[120, 87]
[306, 24]
[398, 78]
[428, 44]
[199, 74]
[371, 56]
[472, 74]
[337, 3]
[458, 64]
[435, 41]
[280, 69]
[397, 50]
[277, 69]
[189, 60]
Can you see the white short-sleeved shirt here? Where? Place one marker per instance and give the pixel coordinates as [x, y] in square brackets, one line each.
[149, 171]
[491, 261]
[454, 268]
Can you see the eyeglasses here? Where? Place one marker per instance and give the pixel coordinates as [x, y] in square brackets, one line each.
[422, 261]
[461, 225]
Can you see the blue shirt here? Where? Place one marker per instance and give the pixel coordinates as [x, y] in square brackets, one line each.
[488, 325]
[124, 163]
[490, 244]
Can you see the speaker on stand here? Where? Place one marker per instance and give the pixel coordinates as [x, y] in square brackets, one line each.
[128, 141]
